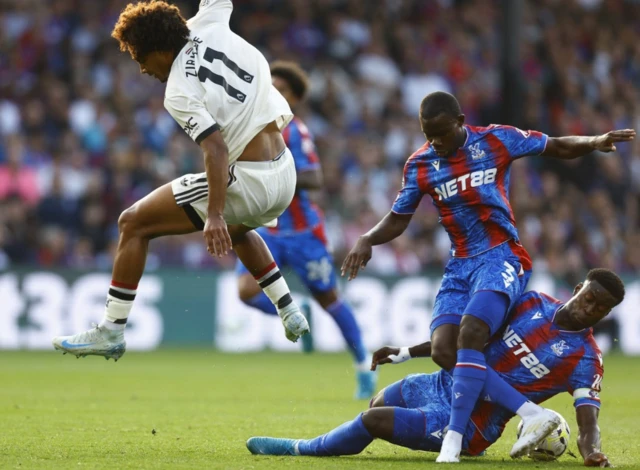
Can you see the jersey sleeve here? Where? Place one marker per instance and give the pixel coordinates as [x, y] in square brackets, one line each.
[211, 11]
[302, 147]
[521, 143]
[190, 113]
[410, 195]
[586, 381]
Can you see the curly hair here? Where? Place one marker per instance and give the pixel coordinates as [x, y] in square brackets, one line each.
[293, 74]
[610, 281]
[150, 26]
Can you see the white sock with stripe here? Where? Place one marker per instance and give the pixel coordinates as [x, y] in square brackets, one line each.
[274, 286]
[119, 302]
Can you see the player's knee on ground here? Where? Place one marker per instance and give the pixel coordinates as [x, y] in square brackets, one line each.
[444, 355]
[379, 422]
[474, 333]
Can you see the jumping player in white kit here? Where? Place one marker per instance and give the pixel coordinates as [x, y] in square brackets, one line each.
[219, 90]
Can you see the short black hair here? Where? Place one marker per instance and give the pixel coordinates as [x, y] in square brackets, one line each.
[437, 103]
[610, 281]
[293, 74]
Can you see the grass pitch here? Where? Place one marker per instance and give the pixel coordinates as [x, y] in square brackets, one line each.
[196, 408]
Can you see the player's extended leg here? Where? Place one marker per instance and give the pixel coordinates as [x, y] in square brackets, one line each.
[256, 257]
[155, 215]
[401, 426]
[343, 315]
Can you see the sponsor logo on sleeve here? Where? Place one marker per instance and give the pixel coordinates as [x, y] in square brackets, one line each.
[191, 127]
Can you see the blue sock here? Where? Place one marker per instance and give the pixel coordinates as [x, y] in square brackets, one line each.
[468, 381]
[343, 315]
[501, 392]
[347, 439]
[262, 302]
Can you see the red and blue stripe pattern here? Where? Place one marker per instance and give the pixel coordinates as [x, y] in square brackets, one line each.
[302, 215]
[470, 189]
[539, 360]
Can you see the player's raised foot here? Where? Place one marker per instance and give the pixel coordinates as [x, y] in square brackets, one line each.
[272, 446]
[534, 430]
[97, 341]
[295, 324]
[367, 381]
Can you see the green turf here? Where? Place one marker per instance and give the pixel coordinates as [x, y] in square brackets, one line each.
[59, 412]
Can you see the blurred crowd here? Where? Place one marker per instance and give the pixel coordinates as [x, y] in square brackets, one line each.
[83, 135]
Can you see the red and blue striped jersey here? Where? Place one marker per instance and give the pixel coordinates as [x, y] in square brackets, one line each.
[302, 215]
[539, 360]
[471, 188]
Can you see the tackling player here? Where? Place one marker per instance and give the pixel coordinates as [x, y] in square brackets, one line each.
[545, 349]
[465, 170]
[299, 241]
[219, 90]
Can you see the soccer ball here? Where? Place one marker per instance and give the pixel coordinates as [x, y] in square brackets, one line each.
[554, 445]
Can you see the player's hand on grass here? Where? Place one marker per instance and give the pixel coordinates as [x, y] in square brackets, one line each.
[216, 236]
[357, 258]
[597, 459]
[606, 142]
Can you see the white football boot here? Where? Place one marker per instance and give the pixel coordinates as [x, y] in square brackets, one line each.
[295, 323]
[450, 450]
[97, 341]
[534, 430]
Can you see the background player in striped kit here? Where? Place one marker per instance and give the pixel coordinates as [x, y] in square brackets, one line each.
[465, 170]
[546, 348]
[299, 242]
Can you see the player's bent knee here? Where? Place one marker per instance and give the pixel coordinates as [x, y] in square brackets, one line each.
[128, 221]
[474, 333]
[326, 299]
[445, 357]
[376, 421]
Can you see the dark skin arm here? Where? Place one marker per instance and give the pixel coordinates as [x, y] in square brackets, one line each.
[570, 147]
[390, 227]
[310, 179]
[589, 437]
[381, 356]
[216, 163]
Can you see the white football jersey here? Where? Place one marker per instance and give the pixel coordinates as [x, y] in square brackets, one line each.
[220, 81]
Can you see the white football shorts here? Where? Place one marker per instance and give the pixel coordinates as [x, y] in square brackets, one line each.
[257, 192]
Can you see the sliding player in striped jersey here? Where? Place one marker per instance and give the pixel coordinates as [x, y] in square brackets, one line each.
[546, 348]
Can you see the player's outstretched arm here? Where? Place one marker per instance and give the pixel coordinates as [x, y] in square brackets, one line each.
[396, 355]
[576, 146]
[589, 437]
[216, 163]
[390, 227]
